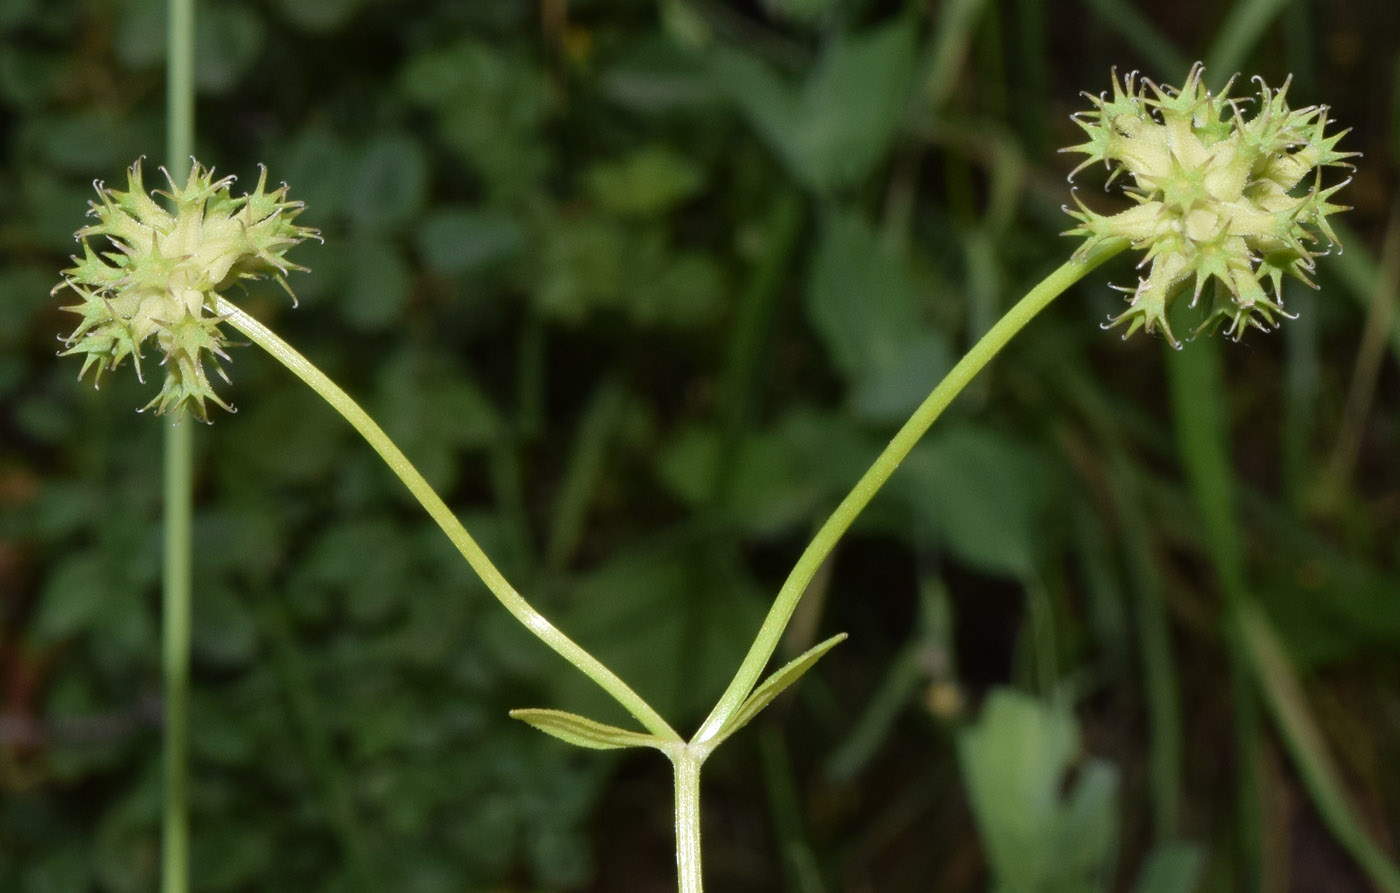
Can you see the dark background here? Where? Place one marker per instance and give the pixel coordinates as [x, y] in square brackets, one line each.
[643, 286]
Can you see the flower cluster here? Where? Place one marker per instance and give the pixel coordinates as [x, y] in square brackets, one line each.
[163, 271]
[1218, 197]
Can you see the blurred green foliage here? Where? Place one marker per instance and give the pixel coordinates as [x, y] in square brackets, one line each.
[643, 286]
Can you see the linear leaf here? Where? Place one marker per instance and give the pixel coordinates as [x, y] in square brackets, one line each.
[584, 732]
[775, 685]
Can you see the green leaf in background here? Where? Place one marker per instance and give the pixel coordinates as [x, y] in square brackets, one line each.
[650, 180]
[985, 493]
[390, 183]
[581, 731]
[654, 76]
[125, 848]
[767, 488]
[662, 619]
[224, 632]
[228, 40]
[378, 286]
[320, 164]
[1014, 761]
[88, 141]
[26, 292]
[597, 263]
[681, 289]
[802, 11]
[366, 563]
[319, 16]
[839, 125]
[100, 594]
[230, 855]
[489, 102]
[431, 405]
[1172, 867]
[581, 264]
[453, 240]
[283, 434]
[140, 33]
[72, 600]
[863, 302]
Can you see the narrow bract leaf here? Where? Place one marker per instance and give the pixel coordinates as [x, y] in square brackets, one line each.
[584, 732]
[775, 685]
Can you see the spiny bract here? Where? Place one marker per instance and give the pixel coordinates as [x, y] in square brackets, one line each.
[165, 269]
[1219, 196]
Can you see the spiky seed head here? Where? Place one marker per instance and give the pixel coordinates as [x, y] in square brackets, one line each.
[1227, 193]
[160, 269]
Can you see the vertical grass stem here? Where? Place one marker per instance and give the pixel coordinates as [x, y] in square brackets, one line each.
[178, 496]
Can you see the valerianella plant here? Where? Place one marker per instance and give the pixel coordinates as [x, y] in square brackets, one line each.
[1221, 197]
[164, 271]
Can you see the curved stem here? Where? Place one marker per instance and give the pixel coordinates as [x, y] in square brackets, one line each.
[830, 533]
[506, 594]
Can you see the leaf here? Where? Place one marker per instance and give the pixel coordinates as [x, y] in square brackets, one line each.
[377, 291]
[96, 139]
[775, 685]
[650, 180]
[803, 12]
[366, 562]
[317, 164]
[390, 184]
[766, 490]
[684, 289]
[307, 447]
[664, 619]
[984, 492]
[834, 131]
[72, 600]
[228, 39]
[1014, 760]
[489, 101]
[584, 732]
[654, 78]
[319, 16]
[863, 301]
[224, 632]
[1172, 867]
[454, 240]
[428, 403]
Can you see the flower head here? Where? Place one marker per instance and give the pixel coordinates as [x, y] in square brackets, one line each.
[163, 270]
[1221, 198]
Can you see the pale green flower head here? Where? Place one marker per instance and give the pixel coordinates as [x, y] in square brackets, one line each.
[1228, 193]
[163, 270]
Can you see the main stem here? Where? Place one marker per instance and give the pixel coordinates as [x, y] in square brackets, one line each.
[179, 499]
[766, 642]
[506, 594]
[687, 761]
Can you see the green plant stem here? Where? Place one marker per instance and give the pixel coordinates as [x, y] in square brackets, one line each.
[175, 640]
[687, 760]
[179, 498]
[506, 594]
[820, 547]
